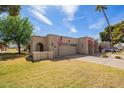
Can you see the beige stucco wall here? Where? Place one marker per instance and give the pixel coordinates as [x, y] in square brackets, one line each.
[91, 47]
[87, 49]
[52, 44]
[68, 49]
[61, 50]
[42, 55]
[82, 46]
[96, 48]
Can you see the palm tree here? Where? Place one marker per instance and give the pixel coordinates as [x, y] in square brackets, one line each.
[102, 8]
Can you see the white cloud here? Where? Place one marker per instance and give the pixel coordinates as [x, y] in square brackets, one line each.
[40, 8]
[77, 18]
[69, 10]
[38, 12]
[73, 29]
[98, 25]
[37, 28]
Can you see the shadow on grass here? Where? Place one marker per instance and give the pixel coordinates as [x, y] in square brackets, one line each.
[57, 59]
[12, 56]
[68, 57]
[29, 58]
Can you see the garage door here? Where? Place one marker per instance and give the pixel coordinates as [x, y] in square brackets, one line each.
[67, 50]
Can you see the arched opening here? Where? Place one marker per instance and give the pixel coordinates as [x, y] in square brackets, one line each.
[39, 47]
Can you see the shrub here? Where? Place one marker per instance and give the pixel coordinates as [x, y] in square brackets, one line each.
[117, 57]
[105, 56]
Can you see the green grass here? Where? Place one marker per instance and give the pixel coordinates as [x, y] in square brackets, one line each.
[62, 73]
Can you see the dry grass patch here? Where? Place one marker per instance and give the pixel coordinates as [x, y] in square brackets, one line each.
[116, 53]
[62, 73]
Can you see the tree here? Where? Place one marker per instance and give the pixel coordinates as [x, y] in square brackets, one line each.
[13, 10]
[15, 30]
[102, 8]
[117, 33]
[105, 36]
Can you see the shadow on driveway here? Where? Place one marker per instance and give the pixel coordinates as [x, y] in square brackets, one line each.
[68, 57]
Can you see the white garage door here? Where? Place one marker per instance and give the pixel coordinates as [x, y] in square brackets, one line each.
[67, 50]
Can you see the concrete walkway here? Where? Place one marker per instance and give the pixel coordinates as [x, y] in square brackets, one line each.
[118, 63]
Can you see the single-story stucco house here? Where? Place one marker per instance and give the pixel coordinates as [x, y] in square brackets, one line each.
[52, 46]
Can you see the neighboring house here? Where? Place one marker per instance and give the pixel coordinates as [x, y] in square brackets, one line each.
[105, 44]
[61, 46]
[13, 46]
[3, 47]
[119, 45]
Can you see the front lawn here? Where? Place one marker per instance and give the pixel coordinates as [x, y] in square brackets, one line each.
[18, 72]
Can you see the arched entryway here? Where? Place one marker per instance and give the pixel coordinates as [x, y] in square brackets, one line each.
[39, 47]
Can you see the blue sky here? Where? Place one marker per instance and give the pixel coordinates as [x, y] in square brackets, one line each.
[72, 21]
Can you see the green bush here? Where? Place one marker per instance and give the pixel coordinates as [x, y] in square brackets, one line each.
[118, 57]
[105, 56]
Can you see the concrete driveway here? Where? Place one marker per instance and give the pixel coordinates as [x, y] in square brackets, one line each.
[118, 63]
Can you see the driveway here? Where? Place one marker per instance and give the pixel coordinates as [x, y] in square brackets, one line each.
[118, 63]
